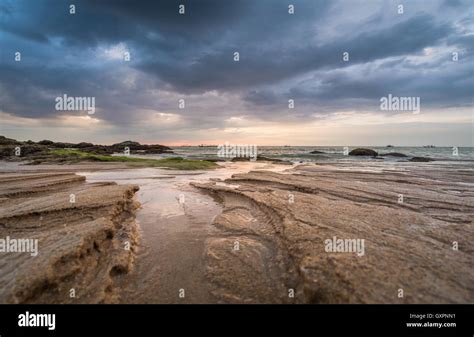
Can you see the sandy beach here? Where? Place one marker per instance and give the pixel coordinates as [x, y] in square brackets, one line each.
[243, 233]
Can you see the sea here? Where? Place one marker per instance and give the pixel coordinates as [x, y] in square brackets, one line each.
[302, 154]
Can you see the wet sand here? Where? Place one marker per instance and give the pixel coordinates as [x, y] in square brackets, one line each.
[244, 233]
[175, 220]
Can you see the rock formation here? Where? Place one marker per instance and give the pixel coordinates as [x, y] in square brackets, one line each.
[274, 228]
[29, 149]
[363, 152]
[83, 232]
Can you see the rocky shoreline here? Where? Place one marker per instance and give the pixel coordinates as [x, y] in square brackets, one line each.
[86, 236]
[14, 150]
[410, 219]
[269, 244]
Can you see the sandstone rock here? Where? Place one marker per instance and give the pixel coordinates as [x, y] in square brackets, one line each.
[81, 244]
[282, 221]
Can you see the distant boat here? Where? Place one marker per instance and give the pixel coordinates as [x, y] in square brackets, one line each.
[389, 146]
[429, 146]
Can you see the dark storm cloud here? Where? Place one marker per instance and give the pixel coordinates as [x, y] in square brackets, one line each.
[113, 21]
[431, 87]
[442, 84]
[193, 55]
[219, 71]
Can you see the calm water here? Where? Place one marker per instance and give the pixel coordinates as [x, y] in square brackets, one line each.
[335, 153]
[175, 219]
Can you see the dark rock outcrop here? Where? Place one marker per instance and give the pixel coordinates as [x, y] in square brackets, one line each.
[393, 154]
[46, 142]
[9, 152]
[29, 149]
[421, 159]
[363, 152]
[8, 141]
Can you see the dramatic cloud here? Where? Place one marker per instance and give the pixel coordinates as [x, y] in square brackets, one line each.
[282, 56]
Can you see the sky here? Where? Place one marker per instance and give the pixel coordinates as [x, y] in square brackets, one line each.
[284, 57]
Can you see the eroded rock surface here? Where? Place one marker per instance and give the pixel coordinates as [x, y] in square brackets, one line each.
[408, 217]
[81, 244]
